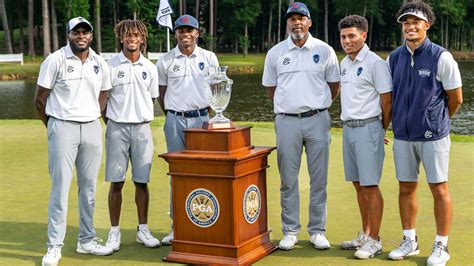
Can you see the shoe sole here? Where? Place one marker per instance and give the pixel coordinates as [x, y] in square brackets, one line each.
[321, 248]
[82, 251]
[371, 256]
[413, 253]
[285, 248]
[440, 264]
[148, 246]
[49, 264]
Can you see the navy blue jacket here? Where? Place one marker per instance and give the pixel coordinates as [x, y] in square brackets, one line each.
[420, 106]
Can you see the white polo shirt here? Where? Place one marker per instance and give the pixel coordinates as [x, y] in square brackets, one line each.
[362, 82]
[184, 78]
[74, 85]
[301, 75]
[133, 87]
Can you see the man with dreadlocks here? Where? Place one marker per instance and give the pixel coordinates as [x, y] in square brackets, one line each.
[182, 90]
[128, 137]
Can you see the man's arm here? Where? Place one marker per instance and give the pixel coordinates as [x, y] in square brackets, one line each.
[335, 89]
[386, 105]
[271, 92]
[103, 104]
[161, 98]
[41, 96]
[454, 100]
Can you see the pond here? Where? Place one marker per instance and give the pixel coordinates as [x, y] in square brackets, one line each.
[248, 103]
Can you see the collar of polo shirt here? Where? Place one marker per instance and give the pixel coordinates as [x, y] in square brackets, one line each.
[177, 52]
[308, 44]
[362, 53]
[123, 58]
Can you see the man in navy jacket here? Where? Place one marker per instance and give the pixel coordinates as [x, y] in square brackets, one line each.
[426, 94]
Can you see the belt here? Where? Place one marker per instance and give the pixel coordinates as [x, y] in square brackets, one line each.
[360, 122]
[72, 121]
[307, 113]
[193, 113]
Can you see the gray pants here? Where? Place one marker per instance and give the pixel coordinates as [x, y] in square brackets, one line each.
[69, 144]
[174, 134]
[292, 133]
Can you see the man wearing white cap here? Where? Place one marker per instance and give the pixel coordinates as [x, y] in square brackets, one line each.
[301, 75]
[181, 74]
[71, 92]
[426, 93]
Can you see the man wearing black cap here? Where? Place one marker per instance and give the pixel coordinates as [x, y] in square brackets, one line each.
[71, 92]
[182, 87]
[426, 93]
[301, 75]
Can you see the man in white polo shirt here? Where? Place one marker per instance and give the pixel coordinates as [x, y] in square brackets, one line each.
[128, 137]
[366, 102]
[301, 75]
[181, 74]
[71, 92]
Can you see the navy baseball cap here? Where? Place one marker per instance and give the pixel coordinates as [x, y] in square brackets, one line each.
[297, 7]
[75, 22]
[186, 20]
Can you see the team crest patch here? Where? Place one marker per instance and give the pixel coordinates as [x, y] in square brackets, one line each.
[286, 61]
[120, 74]
[316, 58]
[96, 69]
[176, 68]
[252, 204]
[202, 207]
[144, 75]
[70, 69]
[201, 65]
[359, 71]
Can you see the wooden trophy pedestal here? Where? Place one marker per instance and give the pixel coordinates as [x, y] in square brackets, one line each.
[219, 198]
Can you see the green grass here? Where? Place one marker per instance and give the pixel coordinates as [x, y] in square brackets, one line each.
[25, 188]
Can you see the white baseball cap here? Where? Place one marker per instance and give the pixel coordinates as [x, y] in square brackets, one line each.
[73, 23]
[412, 12]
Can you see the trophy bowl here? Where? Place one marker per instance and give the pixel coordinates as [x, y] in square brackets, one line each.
[219, 89]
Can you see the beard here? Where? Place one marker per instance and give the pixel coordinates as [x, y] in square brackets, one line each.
[298, 36]
[77, 49]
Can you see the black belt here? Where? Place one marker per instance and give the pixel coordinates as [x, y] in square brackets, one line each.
[360, 122]
[306, 114]
[193, 113]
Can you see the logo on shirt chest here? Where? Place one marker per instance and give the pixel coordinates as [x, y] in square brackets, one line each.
[286, 61]
[316, 58]
[424, 73]
[96, 69]
[144, 75]
[176, 68]
[120, 74]
[70, 69]
[359, 71]
[201, 65]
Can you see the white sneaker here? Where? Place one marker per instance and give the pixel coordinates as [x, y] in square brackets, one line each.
[52, 257]
[167, 239]
[288, 242]
[93, 247]
[439, 256]
[113, 240]
[144, 237]
[319, 241]
[370, 249]
[356, 243]
[407, 248]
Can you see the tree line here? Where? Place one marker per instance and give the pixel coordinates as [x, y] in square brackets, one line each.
[238, 26]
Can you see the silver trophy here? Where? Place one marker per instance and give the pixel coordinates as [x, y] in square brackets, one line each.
[219, 91]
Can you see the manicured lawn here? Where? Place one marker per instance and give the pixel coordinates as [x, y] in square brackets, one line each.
[25, 184]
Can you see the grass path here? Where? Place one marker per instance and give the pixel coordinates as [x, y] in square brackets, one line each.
[25, 184]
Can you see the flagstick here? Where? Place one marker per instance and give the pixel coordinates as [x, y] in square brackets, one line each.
[168, 38]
